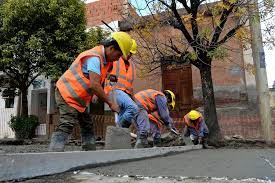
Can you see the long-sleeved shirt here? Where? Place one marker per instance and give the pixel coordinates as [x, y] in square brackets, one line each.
[203, 129]
[163, 110]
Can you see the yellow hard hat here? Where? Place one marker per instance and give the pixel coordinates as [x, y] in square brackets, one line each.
[194, 115]
[124, 41]
[134, 47]
[173, 97]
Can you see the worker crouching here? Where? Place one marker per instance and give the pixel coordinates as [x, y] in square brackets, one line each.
[196, 128]
[154, 113]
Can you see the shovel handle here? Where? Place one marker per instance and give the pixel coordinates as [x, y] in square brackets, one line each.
[116, 118]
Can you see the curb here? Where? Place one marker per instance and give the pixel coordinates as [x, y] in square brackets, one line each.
[27, 165]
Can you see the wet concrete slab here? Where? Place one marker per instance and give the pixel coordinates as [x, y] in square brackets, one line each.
[231, 163]
[26, 165]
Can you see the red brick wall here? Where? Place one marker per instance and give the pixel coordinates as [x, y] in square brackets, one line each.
[227, 74]
[107, 10]
[246, 125]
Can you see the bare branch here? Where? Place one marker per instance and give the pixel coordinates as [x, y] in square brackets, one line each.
[184, 3]
[230, 34]
[194, 11]
[33, 78]
[220, 27]
[179, 25]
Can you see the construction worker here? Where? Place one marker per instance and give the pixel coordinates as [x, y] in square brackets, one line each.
[79, 83]
[119, 87]
[196, 128]
[154, 113]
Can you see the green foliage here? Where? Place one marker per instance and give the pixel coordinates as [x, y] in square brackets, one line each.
[192, 56]
[93, 37]
[24, 126]
[40, 36]
[218, 53]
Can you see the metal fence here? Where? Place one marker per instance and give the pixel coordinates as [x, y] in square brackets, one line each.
[5, 116]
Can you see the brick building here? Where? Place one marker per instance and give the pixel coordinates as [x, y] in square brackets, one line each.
[235, 87]
[231, 81]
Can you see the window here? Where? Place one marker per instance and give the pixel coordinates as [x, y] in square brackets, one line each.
[9, 102]
[38, 83]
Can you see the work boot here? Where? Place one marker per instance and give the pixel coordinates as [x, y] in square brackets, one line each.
[142, 142]
[195, 142]
[88, 142]
[58, 141]
[157, 142]
[205, 144]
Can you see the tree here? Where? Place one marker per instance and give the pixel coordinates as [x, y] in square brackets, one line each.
[202, 30]
[39, 37]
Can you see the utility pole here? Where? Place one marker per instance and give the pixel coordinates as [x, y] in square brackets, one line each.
[261, 78]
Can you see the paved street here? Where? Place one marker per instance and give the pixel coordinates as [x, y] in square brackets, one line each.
[221, 165]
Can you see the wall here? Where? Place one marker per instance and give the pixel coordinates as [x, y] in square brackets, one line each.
[153, 81]
[2, 103]
[229, 76]
[107, 10]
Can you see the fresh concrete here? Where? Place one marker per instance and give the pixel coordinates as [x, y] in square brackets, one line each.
[117, 138]
[26, 165]
[89, 177]
[232, 163]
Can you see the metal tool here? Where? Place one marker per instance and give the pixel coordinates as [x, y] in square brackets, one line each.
[174, 131]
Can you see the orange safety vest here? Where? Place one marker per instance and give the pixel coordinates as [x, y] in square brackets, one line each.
[147, 99]
[195, 125]
[125, 78]
[155, 118]
[74, 87]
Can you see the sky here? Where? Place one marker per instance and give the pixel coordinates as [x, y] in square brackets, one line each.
[269, 54]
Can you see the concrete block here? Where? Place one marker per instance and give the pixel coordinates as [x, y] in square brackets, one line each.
[117, 138]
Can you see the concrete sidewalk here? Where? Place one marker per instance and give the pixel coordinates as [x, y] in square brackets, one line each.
[27, 165]
[230, 163]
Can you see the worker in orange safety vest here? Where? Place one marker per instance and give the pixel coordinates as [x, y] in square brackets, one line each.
[154, 113]
[196, 128]
[80, 83]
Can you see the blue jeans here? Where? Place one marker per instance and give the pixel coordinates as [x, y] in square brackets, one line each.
[142, 122]
[194, 134]
[155, 131]
[128, 109]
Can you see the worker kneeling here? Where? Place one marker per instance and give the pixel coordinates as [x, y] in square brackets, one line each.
[195, 128]
[154, 113]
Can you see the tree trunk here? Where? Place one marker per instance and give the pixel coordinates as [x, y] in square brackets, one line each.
[210, 112]
[19, 107]
[24, 102]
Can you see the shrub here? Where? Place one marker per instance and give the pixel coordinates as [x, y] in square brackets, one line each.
[24, 126]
